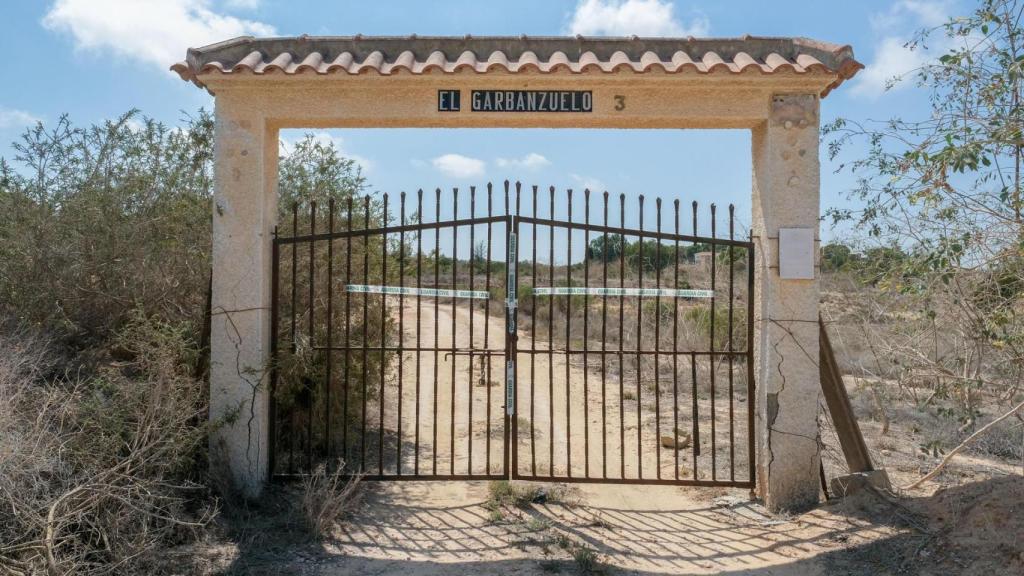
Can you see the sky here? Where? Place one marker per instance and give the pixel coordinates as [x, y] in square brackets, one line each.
[95, 59]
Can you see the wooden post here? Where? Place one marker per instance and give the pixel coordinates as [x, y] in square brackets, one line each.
[852, 441]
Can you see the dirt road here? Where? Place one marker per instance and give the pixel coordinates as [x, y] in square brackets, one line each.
[453, 407]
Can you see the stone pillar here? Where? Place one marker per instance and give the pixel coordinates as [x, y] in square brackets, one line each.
[786, 195]
[244, 214]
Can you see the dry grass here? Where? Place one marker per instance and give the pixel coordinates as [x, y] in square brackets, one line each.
[97, 474]
[327, 496]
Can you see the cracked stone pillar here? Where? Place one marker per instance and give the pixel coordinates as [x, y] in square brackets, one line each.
[786, 196]
[244, 214]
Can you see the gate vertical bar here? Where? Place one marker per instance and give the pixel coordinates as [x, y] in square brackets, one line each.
[312, 331]
[711, 357]
[383, 333]
[515, 323]
[622, 307]
[693, 362]
[751, 455]
[551, 340]
[330, 331]
[696, 426]
[657, 341]
[487, 323]
[568, 344]
[455, 285]
[639, 346]
[732, 275]
[472, 309]
[604, 341]
[533, 340]
[365, 342]
[348, 341]
[275, 294]
[586, 333]
[401, 330]
[419, 324]
[294, 328]
[675, 343]
[437, 323]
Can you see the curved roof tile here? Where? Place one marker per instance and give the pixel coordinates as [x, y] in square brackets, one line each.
[547, 55]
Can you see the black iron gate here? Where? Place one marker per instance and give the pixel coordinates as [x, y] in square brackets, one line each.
[513, 344]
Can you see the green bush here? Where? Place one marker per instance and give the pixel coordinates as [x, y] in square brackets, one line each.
[102, 220]
[700, 318]
[105, 237]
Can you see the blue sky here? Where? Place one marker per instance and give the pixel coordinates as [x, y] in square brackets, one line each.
[95, 59]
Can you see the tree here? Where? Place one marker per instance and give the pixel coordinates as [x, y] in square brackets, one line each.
[835, 256]
[941, 198]
[101, 220]
[605, 248]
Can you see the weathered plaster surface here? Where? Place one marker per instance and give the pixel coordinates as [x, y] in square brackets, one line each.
[786, 195]
[243, 221]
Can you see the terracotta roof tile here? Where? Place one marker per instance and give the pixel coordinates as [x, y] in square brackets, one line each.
[547, 55]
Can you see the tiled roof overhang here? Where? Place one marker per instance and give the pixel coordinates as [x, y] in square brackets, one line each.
[416, 55]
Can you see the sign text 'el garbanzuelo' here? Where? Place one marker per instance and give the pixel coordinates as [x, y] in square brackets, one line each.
[518, 101]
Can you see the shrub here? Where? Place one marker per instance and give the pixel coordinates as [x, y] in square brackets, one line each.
[100, 472]
[105, 236]
[327, 495]
[106, 219]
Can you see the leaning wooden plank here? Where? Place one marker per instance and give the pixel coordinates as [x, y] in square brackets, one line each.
[850, 438]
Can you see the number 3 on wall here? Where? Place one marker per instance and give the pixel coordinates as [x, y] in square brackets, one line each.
[620, 103]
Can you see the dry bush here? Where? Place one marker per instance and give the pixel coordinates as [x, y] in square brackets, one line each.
[97, 474]
[936, 222]
[327, 496]
[104, 247]
[96, 221]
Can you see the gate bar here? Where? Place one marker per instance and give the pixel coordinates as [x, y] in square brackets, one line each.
[568, 345]
[650, 234]
[675, 345]
[419, 323]
[367, 231]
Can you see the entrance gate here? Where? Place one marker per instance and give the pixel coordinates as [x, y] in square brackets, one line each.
[528, 342]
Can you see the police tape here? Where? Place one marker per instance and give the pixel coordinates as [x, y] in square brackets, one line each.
[428, 292]
[642, 292]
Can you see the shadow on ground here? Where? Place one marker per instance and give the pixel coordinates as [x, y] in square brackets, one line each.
[418, 528]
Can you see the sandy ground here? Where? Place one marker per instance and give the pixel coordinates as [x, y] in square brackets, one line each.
[417, 528]
[445, 529]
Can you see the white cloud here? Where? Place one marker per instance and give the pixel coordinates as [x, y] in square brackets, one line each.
[531, 161]
[927, 13]
[12, 118]
[243, 4]
[135, 125]
[893, 60]
[588, 182]
[911, 12]
[152, 31]
[459, 166]
[628, 17]
[286, 145]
